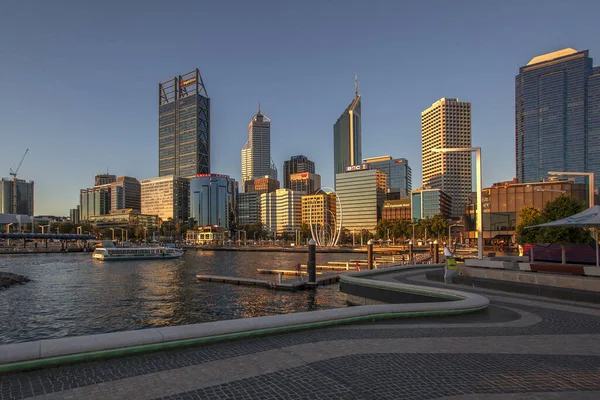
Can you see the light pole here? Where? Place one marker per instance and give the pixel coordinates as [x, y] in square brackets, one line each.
[450, 233]
[113, 233]
[477, 151]
[413, 237]
[590, 176]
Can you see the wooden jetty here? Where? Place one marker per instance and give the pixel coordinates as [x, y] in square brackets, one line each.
[288, 284]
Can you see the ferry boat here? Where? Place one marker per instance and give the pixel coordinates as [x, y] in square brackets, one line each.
[135, 253]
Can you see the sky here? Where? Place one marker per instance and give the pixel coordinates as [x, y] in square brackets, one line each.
[80, 79]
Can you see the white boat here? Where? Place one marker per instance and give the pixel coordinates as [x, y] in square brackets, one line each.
[135, 253]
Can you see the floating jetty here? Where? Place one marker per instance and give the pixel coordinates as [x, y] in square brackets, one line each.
[288, 284]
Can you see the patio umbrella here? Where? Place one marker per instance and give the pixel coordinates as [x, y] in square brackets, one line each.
[589, 218]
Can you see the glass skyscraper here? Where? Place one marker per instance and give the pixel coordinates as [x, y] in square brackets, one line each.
[183, 126]
[213, 200]
[347, 138]
[399, 175]
[294, 165]
[557, 115]
[256, 152]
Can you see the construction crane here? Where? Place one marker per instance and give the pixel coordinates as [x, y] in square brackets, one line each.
[14, 173]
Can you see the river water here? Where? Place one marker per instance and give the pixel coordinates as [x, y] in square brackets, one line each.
[71, 294]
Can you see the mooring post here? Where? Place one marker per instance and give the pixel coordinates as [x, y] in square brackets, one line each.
[410, 252]
[312, 262]
[370, 254]
[436, 252]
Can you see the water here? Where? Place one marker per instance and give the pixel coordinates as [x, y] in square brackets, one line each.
[70, 294]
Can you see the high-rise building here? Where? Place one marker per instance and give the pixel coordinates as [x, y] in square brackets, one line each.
[319, 209]
[125, 193]
[557, 115]
[281, 211]
[399, 175]
[248, 209]
[426, 203]
[305, 182]
[265, 184]
[74, 215]
[256, 153]
[213, 200]
[16, 196]
[361, 191]
[183, 126]
[94, 201]
[447, 124]
[294, 165]
[166, 196]
[104, 179]
[347, 138]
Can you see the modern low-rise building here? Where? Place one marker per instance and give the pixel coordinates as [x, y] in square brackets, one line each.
[428, 202]
[281, 211]
[215, 235]
[319, 209]
[166, 196]
[397, 210]
[16, 196]
[213, 200]
[361, 190]
[126, 219]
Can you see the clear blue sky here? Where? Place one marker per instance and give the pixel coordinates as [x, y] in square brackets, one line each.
[79, 79]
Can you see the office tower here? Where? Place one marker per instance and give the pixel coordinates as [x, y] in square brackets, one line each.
[16, 196]
[248, 209]
[125, 193]
[361, 191]
[399, 175]
[397, 210]
[212, 200]
[447, 124]
[166, 196]
[256, 153]
[320, 209]
[426, 203]
[557, 115]
[294, 165]
[281, 211]
[74, 215]
[94, 201]
[183, 126]
[104, 179]
[261, 185]
[347, 138]
[305, 182]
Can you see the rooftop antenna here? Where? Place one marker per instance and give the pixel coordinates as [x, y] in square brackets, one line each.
[356, 85]
[259, 107]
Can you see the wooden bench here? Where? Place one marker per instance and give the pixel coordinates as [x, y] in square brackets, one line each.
[558, 269]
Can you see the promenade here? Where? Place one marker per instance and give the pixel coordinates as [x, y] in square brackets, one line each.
[519, 347]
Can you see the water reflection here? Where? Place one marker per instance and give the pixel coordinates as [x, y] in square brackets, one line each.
[73, 295]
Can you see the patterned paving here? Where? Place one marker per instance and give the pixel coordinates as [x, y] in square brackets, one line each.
[482, 353]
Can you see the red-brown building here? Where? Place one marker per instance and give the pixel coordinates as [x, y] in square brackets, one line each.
[393, 210]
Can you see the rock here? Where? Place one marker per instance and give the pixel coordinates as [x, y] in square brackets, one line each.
[7, 279]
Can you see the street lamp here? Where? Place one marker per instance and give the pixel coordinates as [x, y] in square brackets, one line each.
[590, 176]
[8, 227]
[477, 151]
[450, 233]
[413, 237]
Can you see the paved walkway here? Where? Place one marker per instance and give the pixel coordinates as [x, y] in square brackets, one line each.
[521, 347]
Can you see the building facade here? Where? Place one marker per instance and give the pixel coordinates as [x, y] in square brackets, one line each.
[347, 137]
[399, 175]
[125, 193]
[306, 182]
[319, 209]
[213, 201]
[74, 215]
[166, 196]
[16, 196]
[557, 115]
[361, 191]
[447, 124]
[295, 165]
[183, 126]
[94, 201]
[248, 210]
[126, 219]
[281, 211]
[426, 203]
[104, 179]
[256, 152]
[397, 210]
[265, 184]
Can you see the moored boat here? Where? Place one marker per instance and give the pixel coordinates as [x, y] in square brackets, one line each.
[135, 253]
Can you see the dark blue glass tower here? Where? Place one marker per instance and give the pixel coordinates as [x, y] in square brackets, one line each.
[557, 115]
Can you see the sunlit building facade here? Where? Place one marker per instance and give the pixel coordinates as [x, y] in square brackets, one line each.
[125, 194]
[399, 175]
[319, 209]
[166, 196]
[397, 210]
[256, 152]
[16, 196]
[305, 182]
[281, 211]
[295, 165]
[347, 137]
[213, 200]
[427, 203]
[94, 201]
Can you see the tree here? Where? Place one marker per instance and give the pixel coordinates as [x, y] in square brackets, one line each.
[439, 226]
[304, 232]
[563, 207]
[528, 216]
[383, 226]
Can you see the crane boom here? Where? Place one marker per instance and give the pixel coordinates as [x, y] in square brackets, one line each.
[14, 173]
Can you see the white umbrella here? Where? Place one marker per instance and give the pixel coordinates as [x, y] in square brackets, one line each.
[589, 218]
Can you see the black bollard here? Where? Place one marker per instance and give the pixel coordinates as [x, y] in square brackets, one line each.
[436, 252]
[410, 253]
[311, 267]
[370, 254]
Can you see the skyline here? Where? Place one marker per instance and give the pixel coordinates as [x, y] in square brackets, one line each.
[84, 122]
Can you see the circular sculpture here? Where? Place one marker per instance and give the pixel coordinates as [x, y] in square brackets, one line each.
[327, 234]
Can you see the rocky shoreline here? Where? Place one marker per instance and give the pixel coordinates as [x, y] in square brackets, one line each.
[7, 279]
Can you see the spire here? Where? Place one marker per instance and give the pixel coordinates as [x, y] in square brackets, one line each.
[259, 107]
[356, 85]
